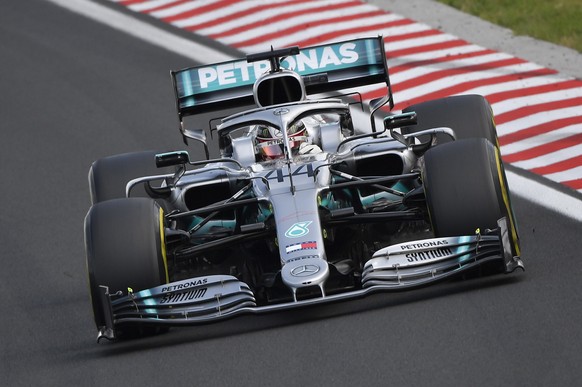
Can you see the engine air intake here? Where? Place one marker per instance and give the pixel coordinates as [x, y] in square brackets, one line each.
[278, 88]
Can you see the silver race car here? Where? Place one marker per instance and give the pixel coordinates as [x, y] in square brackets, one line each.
[314, 198]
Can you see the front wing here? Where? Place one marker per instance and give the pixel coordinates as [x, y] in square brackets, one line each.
[394, 268]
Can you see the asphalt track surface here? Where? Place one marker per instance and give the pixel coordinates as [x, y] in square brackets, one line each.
[73, 91]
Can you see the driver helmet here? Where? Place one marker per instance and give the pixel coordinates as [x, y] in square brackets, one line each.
[270, 140]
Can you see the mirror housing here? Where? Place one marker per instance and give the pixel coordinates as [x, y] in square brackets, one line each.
[400, 120]
[172, 158]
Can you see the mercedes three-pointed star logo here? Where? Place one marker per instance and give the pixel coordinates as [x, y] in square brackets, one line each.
[280, 111]
[304, 270]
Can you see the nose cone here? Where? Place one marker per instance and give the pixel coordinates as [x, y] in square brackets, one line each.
[304, 272]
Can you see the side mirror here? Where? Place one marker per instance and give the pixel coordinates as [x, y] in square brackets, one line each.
[172, 158]
[400, 120]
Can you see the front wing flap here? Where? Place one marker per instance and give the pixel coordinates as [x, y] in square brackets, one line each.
[397, 267]
[193, 300]
[419, 262]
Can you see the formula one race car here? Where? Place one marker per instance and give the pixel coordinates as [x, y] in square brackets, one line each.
[306, 204]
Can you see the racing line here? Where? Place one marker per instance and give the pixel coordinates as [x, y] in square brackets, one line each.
[538, 111]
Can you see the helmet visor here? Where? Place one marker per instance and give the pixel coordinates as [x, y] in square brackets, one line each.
[270, 141]
[271, 149]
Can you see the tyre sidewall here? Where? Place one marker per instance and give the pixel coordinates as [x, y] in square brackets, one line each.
[124, 244]
[463, 188]
[108, 177]
[470, 116]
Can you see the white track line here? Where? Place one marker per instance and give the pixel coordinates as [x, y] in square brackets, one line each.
[144, 31]
[544, 196]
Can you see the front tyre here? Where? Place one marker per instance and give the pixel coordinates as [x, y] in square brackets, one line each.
[466, 189]
[125, 247]
[109, 176]
[470, 116]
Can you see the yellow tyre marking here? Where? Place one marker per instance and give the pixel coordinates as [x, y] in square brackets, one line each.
[504, 193]
[163, 245]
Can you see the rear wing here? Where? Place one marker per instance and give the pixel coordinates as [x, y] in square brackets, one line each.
[324, 68]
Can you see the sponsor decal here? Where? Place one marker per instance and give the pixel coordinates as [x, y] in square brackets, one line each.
[332, 59]
[325, 57]
[298, 230]
[280, 112]
[188, 295]
[420, 245]
[428, 255]
[306, 62]
[241, 72]
[185, 285]
[305, 270]
[300, 258]
[301, 246]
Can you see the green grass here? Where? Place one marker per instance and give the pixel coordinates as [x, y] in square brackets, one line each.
[556, 21]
